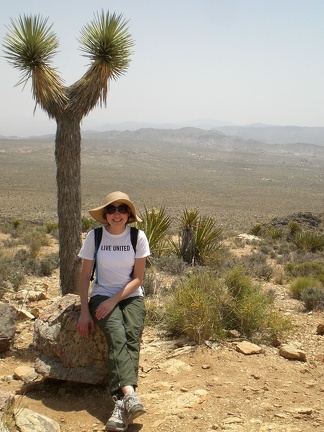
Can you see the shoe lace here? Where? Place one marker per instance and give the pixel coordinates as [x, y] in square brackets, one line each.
[131, 399]
[118, 409]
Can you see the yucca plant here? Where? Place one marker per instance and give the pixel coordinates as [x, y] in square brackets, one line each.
[274, 233]
[309, 241]
[207, 236]
[256, 230]
[155, 223]
[294, 228]
[198, 237]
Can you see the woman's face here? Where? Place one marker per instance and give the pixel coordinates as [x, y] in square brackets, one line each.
[117, 214]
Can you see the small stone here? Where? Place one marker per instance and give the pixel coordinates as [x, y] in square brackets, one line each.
[25, 373]
[292, 352]
[320, 329]
[248, 348]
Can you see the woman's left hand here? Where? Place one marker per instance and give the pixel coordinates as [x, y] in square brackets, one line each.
[105, 308]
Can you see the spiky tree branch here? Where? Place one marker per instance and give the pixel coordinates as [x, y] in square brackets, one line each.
[30, 46]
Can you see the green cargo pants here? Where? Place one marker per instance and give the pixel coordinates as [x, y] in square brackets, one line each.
[123, 329]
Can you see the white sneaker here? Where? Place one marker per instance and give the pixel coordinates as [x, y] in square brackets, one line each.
[117, 421]
[133, 406]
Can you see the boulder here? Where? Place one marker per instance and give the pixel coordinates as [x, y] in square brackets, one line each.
[62, 353]
[7, 326]
[30, 421]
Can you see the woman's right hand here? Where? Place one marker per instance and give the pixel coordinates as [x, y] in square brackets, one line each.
[85, 324]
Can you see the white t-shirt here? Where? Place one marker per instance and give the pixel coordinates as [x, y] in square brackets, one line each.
[115, 260]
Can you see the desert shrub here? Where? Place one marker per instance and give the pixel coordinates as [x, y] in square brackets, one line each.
[155, 223]
[88, 223]
[48, 264]
[250, 308]
[309, 241]
[300, 284]
[151, 282]
[16, 223]
[171, 264]
[11, 271]
[51, 227]
[256, 266]
[278, 276]
[313, 269]
[202, 307]
[219, 259]
[155, 312]
[313, 298]
[238, 282]
[195, 307]
[35, 239]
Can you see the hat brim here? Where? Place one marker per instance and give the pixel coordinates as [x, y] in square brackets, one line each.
[97, 213]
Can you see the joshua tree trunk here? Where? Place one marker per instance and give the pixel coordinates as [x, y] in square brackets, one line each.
[68, 178]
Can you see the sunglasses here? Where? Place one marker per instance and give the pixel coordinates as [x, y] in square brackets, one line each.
[122, 209]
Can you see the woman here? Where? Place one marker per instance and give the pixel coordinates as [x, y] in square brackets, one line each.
[116, 302]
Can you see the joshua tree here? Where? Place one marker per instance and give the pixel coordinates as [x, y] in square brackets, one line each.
[30, 45]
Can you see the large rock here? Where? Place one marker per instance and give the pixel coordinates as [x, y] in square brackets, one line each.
[62, 353]
[30, 421]
[7, 326]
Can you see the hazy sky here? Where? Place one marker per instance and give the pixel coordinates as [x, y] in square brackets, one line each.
[237, 61]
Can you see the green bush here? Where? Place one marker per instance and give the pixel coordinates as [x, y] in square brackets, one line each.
[51, 227]
[313, 298]
[313, 269]
[250, 309]
[300, 284]
[48, 264]
[203, 307]
[195, 307]
[88, 223]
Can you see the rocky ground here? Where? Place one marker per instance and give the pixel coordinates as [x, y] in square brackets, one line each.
[184, 387]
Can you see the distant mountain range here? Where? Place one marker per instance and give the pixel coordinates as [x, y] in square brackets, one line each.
[195, 139]
[260, 132]
[305, 141]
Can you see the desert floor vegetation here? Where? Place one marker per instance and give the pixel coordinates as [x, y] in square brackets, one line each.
[214, 292]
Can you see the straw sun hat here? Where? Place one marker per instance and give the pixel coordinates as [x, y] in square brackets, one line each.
[98, 212]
